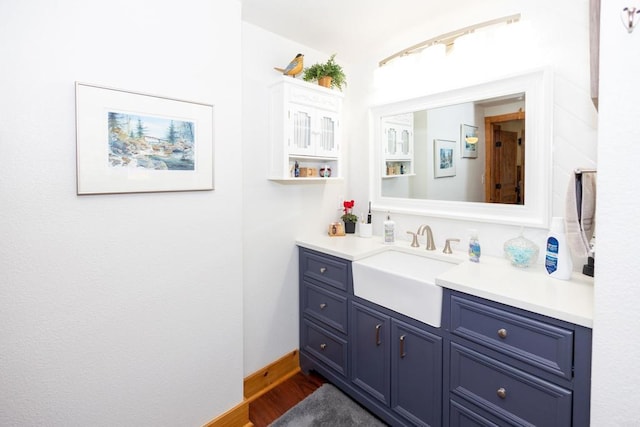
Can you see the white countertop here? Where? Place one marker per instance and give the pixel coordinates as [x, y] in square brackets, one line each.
[492, 278]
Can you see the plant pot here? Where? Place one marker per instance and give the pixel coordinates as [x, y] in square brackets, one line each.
[325, 81]
[349, 227]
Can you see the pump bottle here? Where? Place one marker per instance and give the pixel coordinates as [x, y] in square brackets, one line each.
[557, 260]
[389, 231]
[474, 246]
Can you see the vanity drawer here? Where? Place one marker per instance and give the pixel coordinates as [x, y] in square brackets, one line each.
[461, 415]
[537, 343]
[325, 346]
[510, 394]
[325, 306]
[325, 269]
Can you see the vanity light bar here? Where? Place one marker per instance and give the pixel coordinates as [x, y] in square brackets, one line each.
[447, 39]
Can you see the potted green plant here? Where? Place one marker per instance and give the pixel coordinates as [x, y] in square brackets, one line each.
[348, 217]
[328, 74]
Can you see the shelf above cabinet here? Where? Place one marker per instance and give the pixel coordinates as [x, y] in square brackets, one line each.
[398, 176]
[308, 180]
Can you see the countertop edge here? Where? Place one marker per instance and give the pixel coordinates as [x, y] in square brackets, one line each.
[493, 278]
[571, 317]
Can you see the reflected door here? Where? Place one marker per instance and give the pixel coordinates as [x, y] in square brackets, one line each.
[505, 158]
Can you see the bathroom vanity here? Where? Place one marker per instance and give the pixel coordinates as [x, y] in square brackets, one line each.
[513, 346]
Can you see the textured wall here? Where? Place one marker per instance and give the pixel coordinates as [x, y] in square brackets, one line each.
[274, 214]
[116, 309]
[617, 319]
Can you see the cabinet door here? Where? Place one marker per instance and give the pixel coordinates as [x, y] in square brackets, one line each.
[312, 131]
[398, 142]
[416, 374]
[370, 351]
[300, 128]
[326, 134]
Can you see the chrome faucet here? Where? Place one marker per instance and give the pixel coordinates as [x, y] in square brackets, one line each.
[431, 246]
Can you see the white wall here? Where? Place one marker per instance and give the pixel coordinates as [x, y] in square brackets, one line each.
[119, 310]
[444, 123]
[558, 40]
[617, 318]
[274, 214]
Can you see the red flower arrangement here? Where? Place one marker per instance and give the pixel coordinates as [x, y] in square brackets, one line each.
[348, 216]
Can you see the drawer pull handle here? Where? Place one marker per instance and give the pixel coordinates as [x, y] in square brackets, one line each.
[323, 270]
[323, 306]
[502, 393]
[378, 327]
[402, 353]
[323, 346]
[502, 333]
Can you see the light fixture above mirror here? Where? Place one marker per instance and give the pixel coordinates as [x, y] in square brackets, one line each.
[448, 39]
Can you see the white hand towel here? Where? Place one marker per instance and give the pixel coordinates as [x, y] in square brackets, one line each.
[588, 217]
[580, 213]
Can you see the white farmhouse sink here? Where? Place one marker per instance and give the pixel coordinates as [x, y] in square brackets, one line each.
[402, 282]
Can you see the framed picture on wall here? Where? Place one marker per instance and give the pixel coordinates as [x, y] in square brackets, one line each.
[444, 157]
[468, 141]
[129, 142]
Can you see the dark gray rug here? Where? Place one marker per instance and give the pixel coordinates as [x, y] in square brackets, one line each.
[327, 407]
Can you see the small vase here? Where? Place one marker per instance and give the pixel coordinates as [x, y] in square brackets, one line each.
[325, 81]
[349, 227]
[521, 251]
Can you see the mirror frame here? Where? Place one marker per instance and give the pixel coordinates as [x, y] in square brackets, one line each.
[538, 108]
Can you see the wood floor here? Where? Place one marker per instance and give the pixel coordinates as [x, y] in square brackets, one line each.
[276, 402]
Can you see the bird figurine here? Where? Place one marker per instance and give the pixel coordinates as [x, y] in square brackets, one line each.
[295, 66]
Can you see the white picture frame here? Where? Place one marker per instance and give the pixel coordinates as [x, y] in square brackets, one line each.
[128, 142]
[444, 158]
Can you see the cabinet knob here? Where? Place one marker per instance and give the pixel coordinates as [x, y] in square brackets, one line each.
[323, 306]
[323, 346]
[323, 270]
[502, 393]
[402, 352]
[502, 333]
[378, 326]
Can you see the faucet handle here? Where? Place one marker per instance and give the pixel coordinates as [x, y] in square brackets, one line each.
[447, 246]
[414, 243]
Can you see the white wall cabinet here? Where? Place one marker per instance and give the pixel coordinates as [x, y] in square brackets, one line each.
[305, 129]
[397, 134]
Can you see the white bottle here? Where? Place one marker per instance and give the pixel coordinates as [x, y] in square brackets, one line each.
[557, 261]
[474, 246]
[389, 231]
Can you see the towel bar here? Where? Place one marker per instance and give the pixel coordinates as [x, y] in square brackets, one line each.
[581, 171]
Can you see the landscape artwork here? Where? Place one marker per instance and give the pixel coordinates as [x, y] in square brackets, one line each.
[150, 142]
[444, 158]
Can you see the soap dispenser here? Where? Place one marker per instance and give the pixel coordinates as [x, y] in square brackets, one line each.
[389, 230]
[474, 246]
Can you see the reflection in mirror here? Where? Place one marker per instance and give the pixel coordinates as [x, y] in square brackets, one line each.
[426, 164]
[428, 154]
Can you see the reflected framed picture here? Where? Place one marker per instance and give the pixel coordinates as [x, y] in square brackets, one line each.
[444, 158]
[468, 141]
[129, 142]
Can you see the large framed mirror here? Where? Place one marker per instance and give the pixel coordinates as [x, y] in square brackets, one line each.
[479, 153]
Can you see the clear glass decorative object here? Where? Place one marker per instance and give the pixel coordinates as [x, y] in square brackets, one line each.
[521, 251]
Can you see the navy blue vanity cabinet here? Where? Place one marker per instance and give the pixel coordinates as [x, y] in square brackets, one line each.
[416, 374]
[397, 362]
[387, 362]
[509, 367]
[370, 357]
[324, 285]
